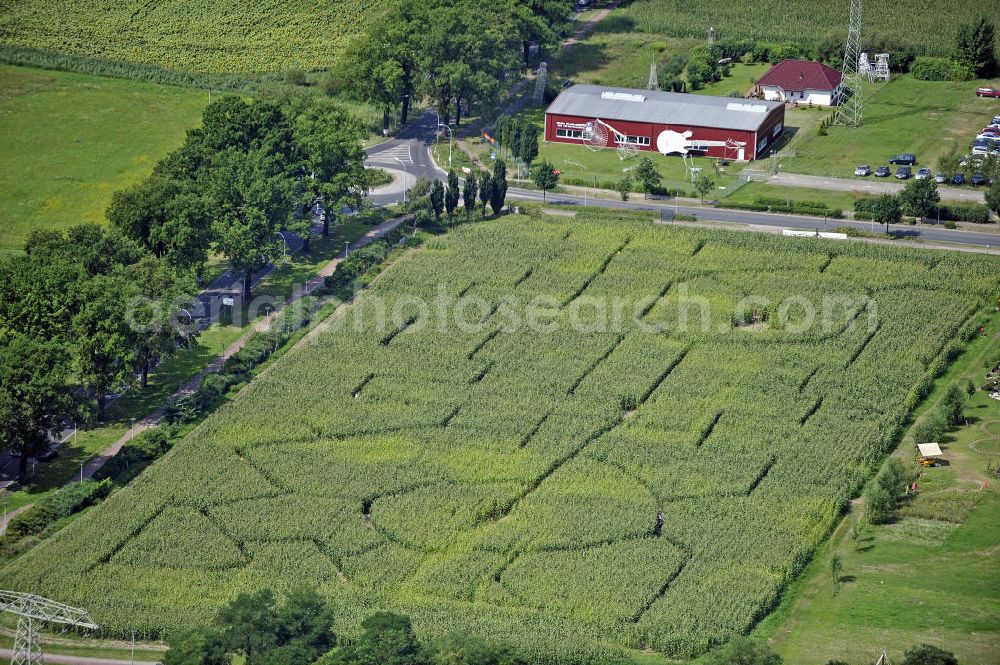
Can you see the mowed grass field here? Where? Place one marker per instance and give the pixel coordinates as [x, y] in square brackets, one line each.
[222, 36]
[931, 576]
[925, 24]
[488, 443]
[927, 118]
[72, 140]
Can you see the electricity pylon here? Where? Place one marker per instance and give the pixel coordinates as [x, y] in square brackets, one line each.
[850, 112]
[32, 611]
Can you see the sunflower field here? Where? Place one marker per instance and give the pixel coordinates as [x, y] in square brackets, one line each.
[578, 435]
[217, 37]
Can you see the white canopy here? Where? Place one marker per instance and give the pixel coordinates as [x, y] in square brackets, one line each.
[929, 449]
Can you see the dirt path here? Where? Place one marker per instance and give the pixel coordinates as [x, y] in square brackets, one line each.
[154, 418]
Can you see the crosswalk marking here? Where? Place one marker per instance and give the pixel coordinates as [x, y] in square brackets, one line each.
[399, 152]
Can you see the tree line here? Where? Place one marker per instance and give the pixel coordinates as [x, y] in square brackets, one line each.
[88, 312]
[299, 631]
[457, 53]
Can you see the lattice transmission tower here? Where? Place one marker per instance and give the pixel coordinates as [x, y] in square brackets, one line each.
[541, 82]
[654, 79]
[850, 112]
[32, 611]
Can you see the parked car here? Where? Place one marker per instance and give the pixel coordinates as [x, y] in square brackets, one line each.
[940, 178]
[923, 174]
[987, 91]
[996, 120]
[904, 173]
[882, 172]
[863, 170]
[907, 158]
[958, 179]
[978, 179]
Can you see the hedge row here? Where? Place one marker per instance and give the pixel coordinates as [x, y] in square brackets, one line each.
[136, 455]
[763, 204]
[61, 503]
[977, 214]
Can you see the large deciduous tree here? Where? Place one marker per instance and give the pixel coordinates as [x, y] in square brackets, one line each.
[975, 46]
[35, 396]
[104, 351]
[328, 141]
[919, 198]
[545, 177]
[167, 217]
[648, 176]
[887, 210]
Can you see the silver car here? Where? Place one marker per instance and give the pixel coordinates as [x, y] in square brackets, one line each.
[863, 170]
[923, 174]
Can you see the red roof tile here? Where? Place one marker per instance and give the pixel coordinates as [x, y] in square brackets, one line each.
[798, 75]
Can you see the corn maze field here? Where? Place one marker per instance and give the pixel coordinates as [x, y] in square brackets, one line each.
[650, 480]
[929, 26]
[222, 36]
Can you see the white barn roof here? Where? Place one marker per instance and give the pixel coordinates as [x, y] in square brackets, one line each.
[669, 108]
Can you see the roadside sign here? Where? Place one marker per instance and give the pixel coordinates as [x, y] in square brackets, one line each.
[228, 302]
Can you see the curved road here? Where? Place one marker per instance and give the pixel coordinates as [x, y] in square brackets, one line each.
[410, 151]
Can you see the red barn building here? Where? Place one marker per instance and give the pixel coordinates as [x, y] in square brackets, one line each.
[666, 122]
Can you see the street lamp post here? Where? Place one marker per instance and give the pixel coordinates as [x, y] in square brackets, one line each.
[133, 646]
[347, 247]
[284, 246]
[451, 141]
[132, 428]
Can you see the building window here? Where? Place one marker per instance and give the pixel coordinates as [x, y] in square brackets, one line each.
[777, 129]
[569, 133]
[763, 143]
[637, 140]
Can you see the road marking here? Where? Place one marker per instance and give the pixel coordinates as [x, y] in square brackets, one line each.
[400, 152]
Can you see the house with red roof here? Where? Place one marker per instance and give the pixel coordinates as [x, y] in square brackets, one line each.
[802, 82]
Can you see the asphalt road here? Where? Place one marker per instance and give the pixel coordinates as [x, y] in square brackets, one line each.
[413, 148]
[77, 660]
[872, 185]
[938, 235]
[410, 153]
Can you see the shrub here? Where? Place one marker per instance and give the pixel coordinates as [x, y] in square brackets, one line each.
[879, 505]
[742, 206]
[295, 77]
[893, 478]
[930, 428]
[61, 503]
[927, 68]
[137, 453]
[925, 654]
[745, 652]
[976, 214]
[952, 405]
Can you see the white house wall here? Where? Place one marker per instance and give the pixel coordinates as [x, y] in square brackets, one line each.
[814, 97]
